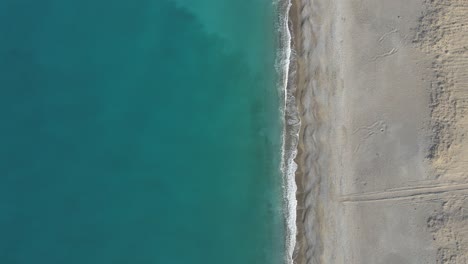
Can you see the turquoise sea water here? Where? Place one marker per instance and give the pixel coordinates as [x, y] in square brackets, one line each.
[140, 131]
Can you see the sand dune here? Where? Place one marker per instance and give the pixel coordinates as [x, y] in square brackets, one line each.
[382, 89]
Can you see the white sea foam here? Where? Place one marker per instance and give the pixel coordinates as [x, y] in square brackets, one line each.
[291, 125]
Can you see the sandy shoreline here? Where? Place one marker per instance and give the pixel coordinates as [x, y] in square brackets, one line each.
[382, 92]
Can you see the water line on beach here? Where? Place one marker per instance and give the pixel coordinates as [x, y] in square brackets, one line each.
[291, 126]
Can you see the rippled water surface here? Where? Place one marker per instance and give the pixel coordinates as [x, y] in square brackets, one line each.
[140, 131]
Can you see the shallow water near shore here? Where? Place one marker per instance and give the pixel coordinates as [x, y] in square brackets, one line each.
[140, 132]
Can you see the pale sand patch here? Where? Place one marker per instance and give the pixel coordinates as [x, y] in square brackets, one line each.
[383, 152]
[443, 35]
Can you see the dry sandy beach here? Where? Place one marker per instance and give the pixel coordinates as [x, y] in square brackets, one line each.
[382, 92]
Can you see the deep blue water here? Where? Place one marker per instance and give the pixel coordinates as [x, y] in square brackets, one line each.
[142, 131]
